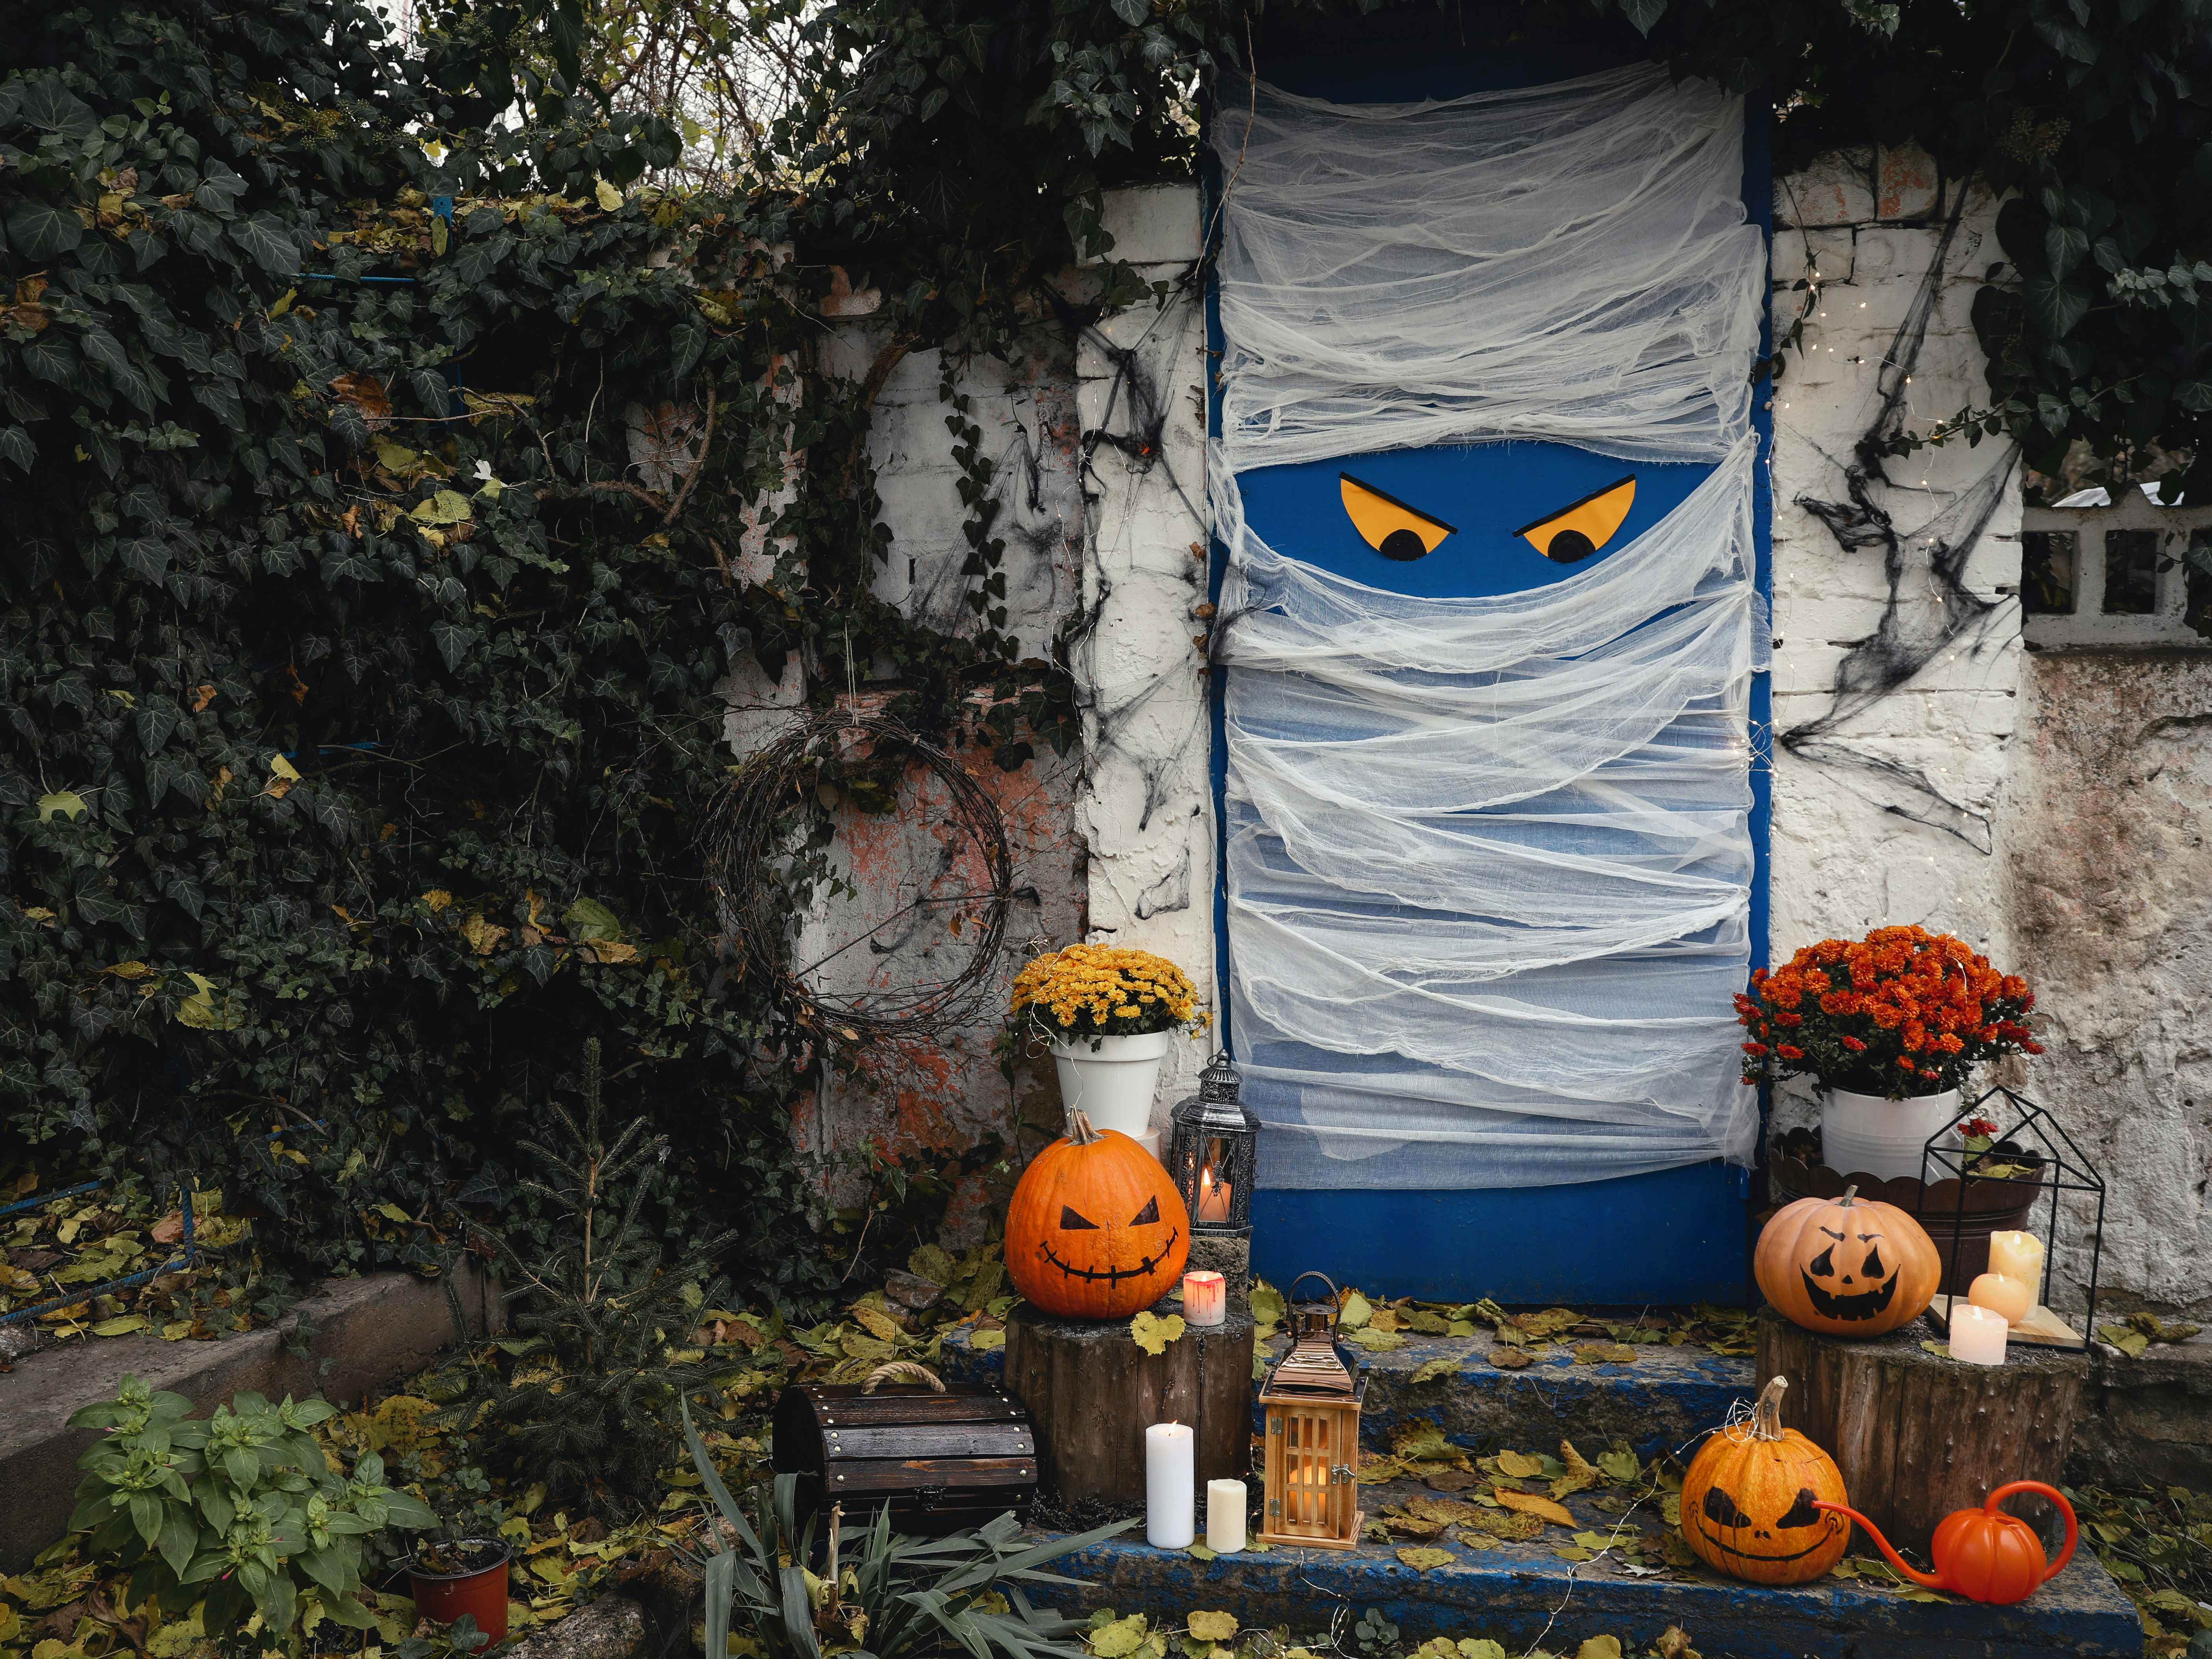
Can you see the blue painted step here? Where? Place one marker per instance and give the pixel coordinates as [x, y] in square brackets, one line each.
[1662, 1401]
[1522, 1596]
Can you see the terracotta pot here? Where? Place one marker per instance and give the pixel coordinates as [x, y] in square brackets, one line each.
[1962, 1242]
[443, 1597]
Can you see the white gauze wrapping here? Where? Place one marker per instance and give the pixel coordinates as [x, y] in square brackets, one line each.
[1488, 861]
[1567, 262]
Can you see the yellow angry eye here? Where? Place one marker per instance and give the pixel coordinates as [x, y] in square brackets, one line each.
[1388, 525]
[1577, 531]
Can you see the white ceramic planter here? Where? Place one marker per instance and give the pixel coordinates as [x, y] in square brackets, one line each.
[1113, 1083]
[1867, 1134]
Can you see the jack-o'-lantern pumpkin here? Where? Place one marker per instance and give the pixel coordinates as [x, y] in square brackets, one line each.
[1096, 1230]
[1750, 1501]
[1847, 1267]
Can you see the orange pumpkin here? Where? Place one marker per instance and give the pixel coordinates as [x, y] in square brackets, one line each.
[1847, 1267]
[1751, 1500]
[1096, 1230]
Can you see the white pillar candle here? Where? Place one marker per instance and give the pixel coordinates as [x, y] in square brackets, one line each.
[1224, 1517]
[2018, 1256]
[1977, 1335]
[1170, 1485]
[1204, 1298]
[2003, 1294]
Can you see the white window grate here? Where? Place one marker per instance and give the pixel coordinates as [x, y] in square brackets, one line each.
[2098, 575]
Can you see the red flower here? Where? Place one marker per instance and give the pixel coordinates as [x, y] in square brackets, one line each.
[1789, 1053]
[1853, 1045]
[1755, 1048]
[1978, 1126]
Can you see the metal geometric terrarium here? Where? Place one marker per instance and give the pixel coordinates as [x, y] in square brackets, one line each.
[1212, 1152]
[2025, 1157]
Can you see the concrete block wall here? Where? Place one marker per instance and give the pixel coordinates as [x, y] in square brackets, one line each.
[1098, 443]
[1145, 811]
[1887, 797]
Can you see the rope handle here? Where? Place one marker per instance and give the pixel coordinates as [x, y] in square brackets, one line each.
[907, 1369]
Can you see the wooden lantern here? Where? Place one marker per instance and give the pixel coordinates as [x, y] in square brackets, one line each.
[1312, 1398]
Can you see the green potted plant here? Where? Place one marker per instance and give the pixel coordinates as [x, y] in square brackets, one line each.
[241, 1511]
[1893, 1026]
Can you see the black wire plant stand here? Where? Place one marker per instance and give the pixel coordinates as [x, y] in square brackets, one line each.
[188, 1252]
[2035, 1144]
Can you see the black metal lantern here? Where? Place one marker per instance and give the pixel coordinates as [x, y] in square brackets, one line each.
[1212, 1152]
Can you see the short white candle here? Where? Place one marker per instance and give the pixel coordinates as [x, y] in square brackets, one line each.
[2018, 1255]
[2003, 1294]
[1224, 1517]
[1977, 1335]
[1170, 1485]
[1204, 1298]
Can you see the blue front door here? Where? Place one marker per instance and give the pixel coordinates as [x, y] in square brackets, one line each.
[1461, 521]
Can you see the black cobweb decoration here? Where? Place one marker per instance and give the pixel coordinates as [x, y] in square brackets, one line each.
[1935, 554]
[787, 901]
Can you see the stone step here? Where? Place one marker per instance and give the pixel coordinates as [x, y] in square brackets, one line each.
[1663, 1400]
[351, 1336]
[1524, 1596]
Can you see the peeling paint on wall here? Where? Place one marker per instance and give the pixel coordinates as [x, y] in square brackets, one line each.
[2111, 891]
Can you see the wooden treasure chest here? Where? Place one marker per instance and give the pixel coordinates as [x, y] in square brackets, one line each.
[943, 1458]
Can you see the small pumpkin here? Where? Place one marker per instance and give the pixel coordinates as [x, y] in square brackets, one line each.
[1096, 1230]
[1751, 1500]
[1848, 1266]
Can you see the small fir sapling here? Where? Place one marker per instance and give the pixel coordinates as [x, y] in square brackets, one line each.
[592, 1411]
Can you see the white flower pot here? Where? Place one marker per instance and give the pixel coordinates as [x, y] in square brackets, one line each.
[1111, 1080]
[1867, 1134]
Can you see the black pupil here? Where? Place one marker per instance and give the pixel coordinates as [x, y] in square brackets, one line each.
[1403, 546]
[1069, 1221]
[1720, 1509]
[1568, 546]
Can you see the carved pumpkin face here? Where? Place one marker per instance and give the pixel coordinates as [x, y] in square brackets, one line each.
[1846, 1267]
[1096, 1230]
[1750, 1501]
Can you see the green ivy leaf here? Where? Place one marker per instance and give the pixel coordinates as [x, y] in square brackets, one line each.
[41, 230]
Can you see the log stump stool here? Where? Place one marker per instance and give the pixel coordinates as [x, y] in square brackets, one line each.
[1918, 1434]
[1092, 1391]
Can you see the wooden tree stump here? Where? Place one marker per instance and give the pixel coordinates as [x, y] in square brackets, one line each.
[1092, 1391]
[1918, 1434]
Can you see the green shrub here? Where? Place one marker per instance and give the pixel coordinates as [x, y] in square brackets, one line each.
[242, 1509]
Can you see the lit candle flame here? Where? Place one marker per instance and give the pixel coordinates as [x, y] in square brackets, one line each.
[1212, 1196]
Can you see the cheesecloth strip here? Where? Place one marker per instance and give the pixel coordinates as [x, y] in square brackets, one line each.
[1488, 859]
[1568, 262]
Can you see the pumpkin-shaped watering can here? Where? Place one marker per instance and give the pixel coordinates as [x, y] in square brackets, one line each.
[1983, 1554]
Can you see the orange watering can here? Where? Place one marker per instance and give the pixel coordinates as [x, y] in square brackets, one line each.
[1983, 1554]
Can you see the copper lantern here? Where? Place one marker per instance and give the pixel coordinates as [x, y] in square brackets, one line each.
[1311, 1399]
